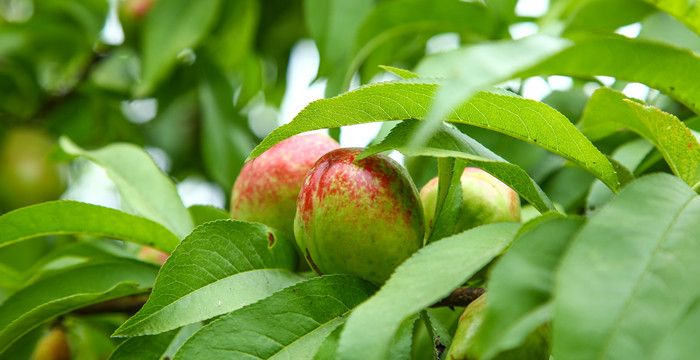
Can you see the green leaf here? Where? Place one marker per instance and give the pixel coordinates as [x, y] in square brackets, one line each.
[401, 344]
[520, 118]
[449, 199]
[568, 187]
[437, 328]
[440, 337]
[402, 73]
[163, 40]
[629, 155]
[686, 11]
[662, 27]
[291, 324]
[145, 189]
[171, 129]
[400, 347]
[600, 115]
[71, 254]
[521, 284]
[611, 110]
[677, 144]
[681, 342]
[149, 347]
[570, 102]
[392, 24]
[334, 24]
[657, 65]
[625, 59]
[233, 38]
[426, 277]
[10, 281]
[598, 16]
[202, 214]
[327, 350]
[476, 67]
[225, 140]
[22, 255]
[505, 9]
[222, 266]
[450, 142]
[639, 258]
[88, 336]
[24, 346]
[118, 72]
[69, 290]
[154, 347]
[72, 217]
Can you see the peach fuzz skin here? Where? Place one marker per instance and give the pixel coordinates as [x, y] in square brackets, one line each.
[267, 187]
[360, 217]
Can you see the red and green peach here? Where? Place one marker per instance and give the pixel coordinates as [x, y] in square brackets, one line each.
[360, 217]
[267, 187]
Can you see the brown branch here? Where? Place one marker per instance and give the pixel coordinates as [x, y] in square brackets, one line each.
[129, 305]
[460, 297]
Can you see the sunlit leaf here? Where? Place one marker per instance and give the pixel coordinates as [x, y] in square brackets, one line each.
[222, 266]
[639, 251]
[450, 142]
[500, 111]
[686, 11]
[521, 284]
[292, 323]
[610, 110]
[72, 217]
[144, 188]
[68, 290]
[426, 277]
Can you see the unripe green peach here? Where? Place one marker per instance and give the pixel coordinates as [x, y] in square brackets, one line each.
[360, 217]
[27, 174]
[485, 200]
[52, 346]
[535, 347]
[266, 190]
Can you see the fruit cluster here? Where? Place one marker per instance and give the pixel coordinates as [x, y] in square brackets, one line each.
[351, 214]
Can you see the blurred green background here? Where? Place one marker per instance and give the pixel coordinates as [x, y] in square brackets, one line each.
[199, 83]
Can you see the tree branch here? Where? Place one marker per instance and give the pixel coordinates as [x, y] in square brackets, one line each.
[460, 297]
[129, 305]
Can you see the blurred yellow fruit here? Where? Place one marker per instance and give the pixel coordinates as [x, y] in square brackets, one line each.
[53, 346]
[27, 174]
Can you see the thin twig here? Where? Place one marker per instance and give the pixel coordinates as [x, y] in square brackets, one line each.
[129, 305]
[460, 297]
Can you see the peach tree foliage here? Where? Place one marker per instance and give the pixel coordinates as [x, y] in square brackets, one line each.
[600, 261]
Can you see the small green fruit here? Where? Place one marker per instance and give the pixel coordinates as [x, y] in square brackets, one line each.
[535, 347]
[360, 217]
[485, 200]
[27, 174]
[267, 188]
